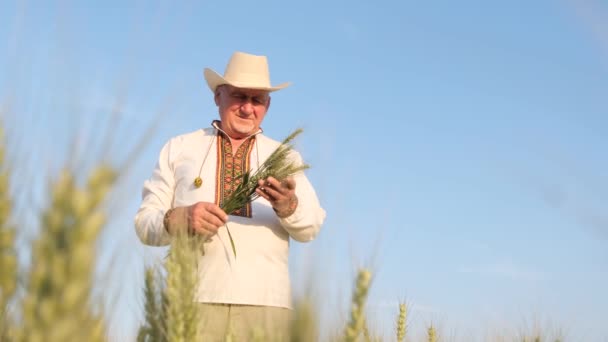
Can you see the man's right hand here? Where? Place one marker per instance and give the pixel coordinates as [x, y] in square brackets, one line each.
[205, 218]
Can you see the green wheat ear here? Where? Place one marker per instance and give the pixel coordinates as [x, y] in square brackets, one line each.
[153, 329]
[401, 322]
[278, 165]
[357, 318]
[432, 334]
[8, 255]
[181, 284]
[57, 305]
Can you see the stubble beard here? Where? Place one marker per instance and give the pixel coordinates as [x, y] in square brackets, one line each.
[243, 128]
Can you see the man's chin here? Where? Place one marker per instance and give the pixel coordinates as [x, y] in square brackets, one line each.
[244, 130]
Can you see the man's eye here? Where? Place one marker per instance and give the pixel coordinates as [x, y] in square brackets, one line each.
[258, 100]
[238, 96]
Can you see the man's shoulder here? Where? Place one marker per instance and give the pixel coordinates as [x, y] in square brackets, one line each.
[193, 136]
[267, 141]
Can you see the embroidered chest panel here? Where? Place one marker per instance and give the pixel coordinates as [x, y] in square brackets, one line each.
[230, 170]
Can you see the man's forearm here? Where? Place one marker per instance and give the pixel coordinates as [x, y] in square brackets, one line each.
[176, 221]
[289, 209]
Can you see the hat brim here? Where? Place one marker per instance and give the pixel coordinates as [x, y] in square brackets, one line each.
[215, 80]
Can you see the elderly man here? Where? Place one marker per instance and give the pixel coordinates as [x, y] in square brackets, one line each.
[197, 171]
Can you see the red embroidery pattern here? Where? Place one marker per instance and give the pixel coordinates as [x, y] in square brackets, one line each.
[230, 169]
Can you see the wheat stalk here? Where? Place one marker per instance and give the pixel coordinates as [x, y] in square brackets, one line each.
[182, 280]
[8, 257]
[56, 306]
[278, 165]
[357, 318]
[366, 335]
[304, 326]
[432, 334]
[401, 322]
[154, 329]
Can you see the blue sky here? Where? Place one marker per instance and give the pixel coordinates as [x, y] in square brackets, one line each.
[459, 148]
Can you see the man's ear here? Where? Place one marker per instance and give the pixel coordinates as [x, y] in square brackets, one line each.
[268, 104]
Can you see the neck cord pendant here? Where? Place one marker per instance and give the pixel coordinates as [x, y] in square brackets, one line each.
[198, 181]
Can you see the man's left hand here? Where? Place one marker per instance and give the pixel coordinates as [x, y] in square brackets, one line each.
[281, 195]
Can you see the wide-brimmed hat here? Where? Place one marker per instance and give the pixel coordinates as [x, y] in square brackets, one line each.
[244, 71]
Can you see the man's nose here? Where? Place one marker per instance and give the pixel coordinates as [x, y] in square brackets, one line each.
[247, 108]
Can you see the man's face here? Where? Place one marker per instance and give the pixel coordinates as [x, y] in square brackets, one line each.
[241, 110]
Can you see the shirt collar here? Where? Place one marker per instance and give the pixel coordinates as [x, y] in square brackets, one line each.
[216, 125]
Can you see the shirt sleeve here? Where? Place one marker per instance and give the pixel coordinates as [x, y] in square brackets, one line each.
[157, 198]
[304, 224]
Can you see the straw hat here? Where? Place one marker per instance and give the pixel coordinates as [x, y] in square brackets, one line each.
[244, 71]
